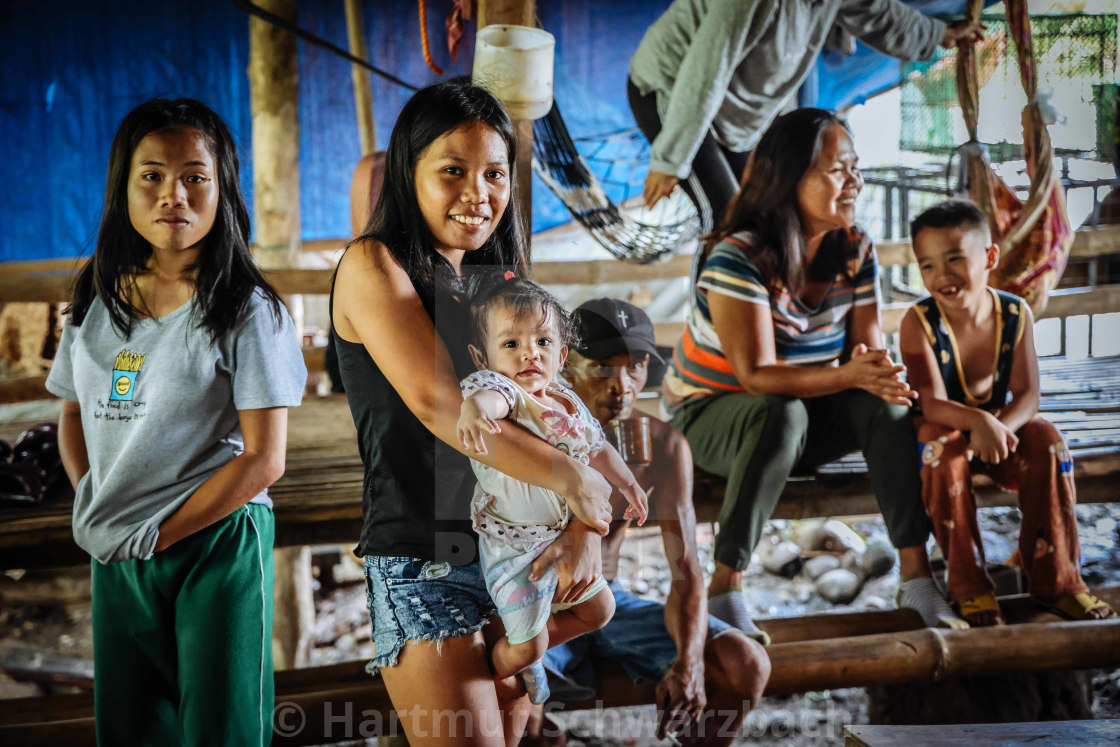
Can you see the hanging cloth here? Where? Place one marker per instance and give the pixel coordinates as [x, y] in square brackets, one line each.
[1035, 237]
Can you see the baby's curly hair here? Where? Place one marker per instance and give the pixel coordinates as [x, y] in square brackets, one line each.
[492, 289]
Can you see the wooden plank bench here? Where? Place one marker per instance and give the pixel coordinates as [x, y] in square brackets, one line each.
[1081, 397]
[318, 500]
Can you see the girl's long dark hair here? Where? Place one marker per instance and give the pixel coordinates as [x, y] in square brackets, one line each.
[227, 274]
[396, 220]
[766, 205]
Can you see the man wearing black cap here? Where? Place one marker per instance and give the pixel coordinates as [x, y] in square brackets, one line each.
[703, 666]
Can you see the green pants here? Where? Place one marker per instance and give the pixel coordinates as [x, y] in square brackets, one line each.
[757, 441]
[182, 642]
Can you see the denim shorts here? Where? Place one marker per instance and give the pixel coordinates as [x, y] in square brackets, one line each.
[636, 637]
[421, 600]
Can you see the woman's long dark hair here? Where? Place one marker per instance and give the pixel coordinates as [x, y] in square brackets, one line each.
[766, 205]
[227, 274]
[396, 220]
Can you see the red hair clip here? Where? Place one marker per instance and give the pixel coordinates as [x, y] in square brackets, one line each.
[509, 275]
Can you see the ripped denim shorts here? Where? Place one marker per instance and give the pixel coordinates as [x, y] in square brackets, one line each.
[421, 600]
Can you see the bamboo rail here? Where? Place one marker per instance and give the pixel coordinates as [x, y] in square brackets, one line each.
[334, 699]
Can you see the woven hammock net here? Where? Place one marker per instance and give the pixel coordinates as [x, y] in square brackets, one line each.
[639, 236]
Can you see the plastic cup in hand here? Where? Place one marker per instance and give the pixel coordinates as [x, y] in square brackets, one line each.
[631, 438]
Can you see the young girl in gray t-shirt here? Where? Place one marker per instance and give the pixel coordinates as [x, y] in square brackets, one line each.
[176, 366]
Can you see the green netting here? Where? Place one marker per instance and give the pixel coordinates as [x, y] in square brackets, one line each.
[1074, 52]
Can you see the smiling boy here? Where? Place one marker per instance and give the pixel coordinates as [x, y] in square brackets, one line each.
[969, 350]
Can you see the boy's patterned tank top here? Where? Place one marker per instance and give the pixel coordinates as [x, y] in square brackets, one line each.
[1009, 329]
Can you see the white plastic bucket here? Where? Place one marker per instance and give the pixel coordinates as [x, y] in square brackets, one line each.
[515, 63]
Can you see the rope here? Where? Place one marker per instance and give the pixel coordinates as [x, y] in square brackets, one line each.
[281, 23]
[424, 40]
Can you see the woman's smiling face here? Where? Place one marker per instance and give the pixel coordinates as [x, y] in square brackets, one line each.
[463, 188]
[826, 194]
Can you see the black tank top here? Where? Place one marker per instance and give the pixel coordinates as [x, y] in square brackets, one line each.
[1009, 329]
[417, 490]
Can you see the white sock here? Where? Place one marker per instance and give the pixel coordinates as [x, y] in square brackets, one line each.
[922, 595]
[731, 608]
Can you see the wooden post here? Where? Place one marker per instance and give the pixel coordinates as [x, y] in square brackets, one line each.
[520, 13]
[363, 94]
[274, 97]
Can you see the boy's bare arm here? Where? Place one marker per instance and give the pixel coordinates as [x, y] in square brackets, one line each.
[1024, 386]
[990, 439]
[609, 464]
[925, 378]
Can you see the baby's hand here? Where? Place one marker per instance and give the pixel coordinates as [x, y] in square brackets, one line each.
[472, 423]
[638, 507]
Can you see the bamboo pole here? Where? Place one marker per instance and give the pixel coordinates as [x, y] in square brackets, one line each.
[363, 93]
[925, 655]
[519, 13]
[930, 655]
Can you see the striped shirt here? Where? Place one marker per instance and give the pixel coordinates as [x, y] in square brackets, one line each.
[803, 336]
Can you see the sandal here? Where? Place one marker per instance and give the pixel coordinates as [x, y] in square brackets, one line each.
[1076, 606]
[978, 605]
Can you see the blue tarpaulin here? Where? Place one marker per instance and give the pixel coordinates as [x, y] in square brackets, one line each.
[71, 70]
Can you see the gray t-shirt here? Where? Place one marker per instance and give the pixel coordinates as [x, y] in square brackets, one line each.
[733, 64]
[159, 413]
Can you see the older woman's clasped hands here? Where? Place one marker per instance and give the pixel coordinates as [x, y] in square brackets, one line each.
[872, 370]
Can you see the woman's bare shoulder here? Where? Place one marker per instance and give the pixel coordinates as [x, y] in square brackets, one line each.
[369, 264]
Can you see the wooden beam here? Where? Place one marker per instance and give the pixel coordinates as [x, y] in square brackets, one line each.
[1087, 243]
[1103, 299]
[23, 389]
[594, 272]
[294, 281]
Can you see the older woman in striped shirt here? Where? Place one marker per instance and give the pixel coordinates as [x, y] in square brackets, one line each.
[782, 365]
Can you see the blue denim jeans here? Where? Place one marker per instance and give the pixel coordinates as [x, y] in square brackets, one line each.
[421, 600]
[636, 637]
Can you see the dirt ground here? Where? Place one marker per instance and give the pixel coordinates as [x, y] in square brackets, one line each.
[50, 614]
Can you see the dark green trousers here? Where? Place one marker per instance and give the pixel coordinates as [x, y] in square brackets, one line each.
[757, 441]
[182, 642]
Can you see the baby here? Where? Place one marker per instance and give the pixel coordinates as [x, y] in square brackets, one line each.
[521, 336]
[969, 350]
